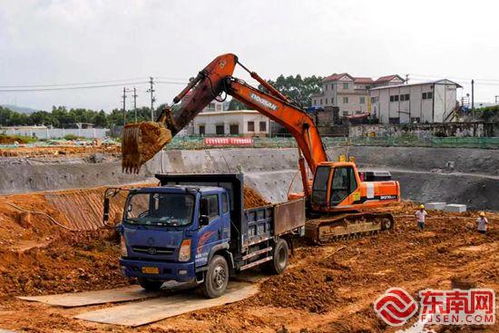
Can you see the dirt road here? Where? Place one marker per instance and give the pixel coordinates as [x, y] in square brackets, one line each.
[326, 289]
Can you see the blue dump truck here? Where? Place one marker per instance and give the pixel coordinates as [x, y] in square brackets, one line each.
[194, 228]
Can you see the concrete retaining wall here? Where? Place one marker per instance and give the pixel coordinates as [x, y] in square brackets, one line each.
[468, 176]
[23, 178]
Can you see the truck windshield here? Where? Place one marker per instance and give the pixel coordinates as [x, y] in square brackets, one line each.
[160, 209]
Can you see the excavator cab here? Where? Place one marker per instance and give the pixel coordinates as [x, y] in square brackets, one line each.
[338, 186]
[333, 184]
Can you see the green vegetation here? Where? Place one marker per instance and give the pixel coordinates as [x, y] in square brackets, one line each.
[72, 137]
[297, 88]
[489, 114]
[62, 117]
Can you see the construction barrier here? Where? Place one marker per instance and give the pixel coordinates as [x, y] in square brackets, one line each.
[228, 141]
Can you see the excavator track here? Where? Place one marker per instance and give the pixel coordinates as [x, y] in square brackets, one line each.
[328, 229]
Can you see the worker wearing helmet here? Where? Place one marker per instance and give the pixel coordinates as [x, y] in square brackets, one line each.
[421, 217]
[482, 223]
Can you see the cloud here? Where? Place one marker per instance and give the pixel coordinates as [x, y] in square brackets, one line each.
[78, 41]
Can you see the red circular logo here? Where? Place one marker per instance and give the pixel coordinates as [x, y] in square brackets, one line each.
[395, 306]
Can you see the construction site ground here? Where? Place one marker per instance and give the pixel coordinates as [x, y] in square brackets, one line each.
[325, 289]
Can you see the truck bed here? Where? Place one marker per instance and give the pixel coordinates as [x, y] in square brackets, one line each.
[273, 220]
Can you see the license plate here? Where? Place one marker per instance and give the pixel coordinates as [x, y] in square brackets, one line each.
[150, 270]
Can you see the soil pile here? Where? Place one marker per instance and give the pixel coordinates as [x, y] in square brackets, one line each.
[9, 140]
[57, 151]
[70, 262]
[49, 243]
[253, 199]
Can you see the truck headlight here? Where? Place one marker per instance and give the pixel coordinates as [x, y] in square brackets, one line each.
[124, 251]
[184, 254]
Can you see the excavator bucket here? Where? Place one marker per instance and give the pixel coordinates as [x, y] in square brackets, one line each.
[140, 142]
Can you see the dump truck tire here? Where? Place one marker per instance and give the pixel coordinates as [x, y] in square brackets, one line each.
[280, 254]
[217, 277]
[150, 285]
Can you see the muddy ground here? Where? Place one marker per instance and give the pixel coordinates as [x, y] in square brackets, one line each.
[326, 289]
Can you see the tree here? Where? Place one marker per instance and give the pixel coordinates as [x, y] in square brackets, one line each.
[100, 119]
[297, 88]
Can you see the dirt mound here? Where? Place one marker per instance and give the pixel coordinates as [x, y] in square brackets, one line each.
[40, 251]
[9, 140]
[72, 262]
[57, 151]
[253, 199]
[307, 288]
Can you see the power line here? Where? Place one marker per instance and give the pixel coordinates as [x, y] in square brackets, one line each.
[71, 84]
[178, 83]
[453, 77]
[73, 88]
[172, 78]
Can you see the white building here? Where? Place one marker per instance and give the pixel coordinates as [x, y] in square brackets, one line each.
[430, 102]
[350, 94]
[240, 122]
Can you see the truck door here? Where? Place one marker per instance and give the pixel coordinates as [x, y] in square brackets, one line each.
[211, 233]
[343, 184]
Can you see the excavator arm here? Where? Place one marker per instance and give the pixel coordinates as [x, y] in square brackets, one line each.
[140, 142]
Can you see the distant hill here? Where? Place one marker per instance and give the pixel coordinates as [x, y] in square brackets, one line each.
[20, 109]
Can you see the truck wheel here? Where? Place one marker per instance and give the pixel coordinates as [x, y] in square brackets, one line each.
[217, 277]
[150, 285]
[280, 256]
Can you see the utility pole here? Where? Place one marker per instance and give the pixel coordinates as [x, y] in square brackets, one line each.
[407, 79]
[153, 99]
[497, 99]
[473, 95]
[124, 105]
[135, 102]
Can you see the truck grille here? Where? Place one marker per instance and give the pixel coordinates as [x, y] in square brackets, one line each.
[154, 250]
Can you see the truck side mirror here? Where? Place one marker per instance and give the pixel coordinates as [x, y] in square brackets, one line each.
[204, 220]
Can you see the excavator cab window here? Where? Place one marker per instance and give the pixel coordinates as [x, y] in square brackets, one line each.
[319, 189]
[343, 184]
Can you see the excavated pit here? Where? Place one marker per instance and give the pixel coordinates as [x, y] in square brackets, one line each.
[329, 288]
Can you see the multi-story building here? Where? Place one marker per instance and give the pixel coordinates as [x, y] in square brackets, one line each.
[350, 94]
[426, 102]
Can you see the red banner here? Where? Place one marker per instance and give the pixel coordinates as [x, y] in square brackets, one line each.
[228, 141]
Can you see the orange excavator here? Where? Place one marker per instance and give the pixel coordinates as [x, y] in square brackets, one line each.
[341, 201]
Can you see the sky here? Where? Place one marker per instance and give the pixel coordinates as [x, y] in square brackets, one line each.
[124, 42]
